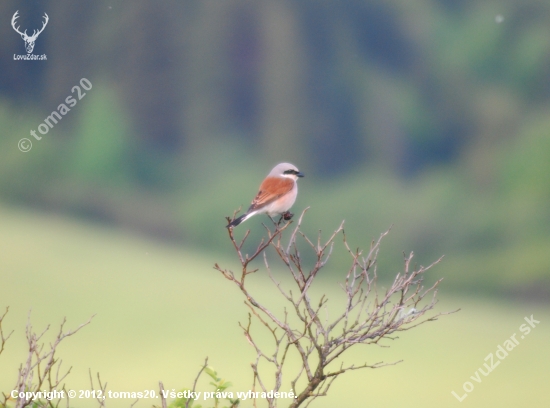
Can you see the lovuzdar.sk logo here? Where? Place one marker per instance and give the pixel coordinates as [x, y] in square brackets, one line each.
[29, 39]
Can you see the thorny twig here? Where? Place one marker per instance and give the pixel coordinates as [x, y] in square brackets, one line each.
[39, 372]
[102, 389]
[4, 339]
[196, 380]
[368, 316]
[162, 397]
[189, 401]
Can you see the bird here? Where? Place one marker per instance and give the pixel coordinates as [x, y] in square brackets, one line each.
[277, 194]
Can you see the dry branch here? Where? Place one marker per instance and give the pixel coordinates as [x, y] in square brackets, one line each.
[41, 370]
[368, 316]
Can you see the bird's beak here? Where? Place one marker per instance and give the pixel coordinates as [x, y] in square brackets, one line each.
[300, 174]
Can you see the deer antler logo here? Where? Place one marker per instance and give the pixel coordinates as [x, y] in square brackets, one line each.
[29, 40]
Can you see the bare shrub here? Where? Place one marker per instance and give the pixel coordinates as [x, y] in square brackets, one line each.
[41, 372]
[368, 316]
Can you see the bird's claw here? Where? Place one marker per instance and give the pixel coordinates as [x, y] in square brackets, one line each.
[287, 216]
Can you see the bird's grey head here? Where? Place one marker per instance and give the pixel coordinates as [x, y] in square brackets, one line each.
[286, 170]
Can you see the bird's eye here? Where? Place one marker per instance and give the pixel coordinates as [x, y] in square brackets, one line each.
[291, 171]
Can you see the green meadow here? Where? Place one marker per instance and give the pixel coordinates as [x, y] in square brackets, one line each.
[160, 309]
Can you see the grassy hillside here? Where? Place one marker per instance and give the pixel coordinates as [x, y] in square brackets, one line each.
[161, 309]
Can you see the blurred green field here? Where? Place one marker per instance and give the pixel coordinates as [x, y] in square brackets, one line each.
[160, 309]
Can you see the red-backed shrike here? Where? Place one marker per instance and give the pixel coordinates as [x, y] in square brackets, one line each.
[277, 194]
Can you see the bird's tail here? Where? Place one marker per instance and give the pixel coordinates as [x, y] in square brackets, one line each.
[237, 221]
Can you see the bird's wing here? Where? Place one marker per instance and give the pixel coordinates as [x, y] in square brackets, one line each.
[271, 189]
